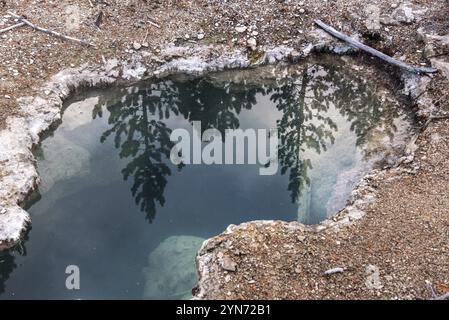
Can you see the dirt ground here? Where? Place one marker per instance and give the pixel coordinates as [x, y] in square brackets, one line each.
[402, 241]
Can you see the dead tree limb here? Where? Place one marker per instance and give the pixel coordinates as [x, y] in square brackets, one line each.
[12, 27]
[372, 51]
[50, 32]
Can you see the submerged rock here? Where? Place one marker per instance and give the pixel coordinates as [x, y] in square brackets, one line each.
[79, 114]
[63, 159]
[171, 271]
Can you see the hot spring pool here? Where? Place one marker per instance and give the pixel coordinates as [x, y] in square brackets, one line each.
[112, 203]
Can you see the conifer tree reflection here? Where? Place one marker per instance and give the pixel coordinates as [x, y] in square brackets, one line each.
[138, 122]
[215, 106]
[141, 135]
[296, 130]
[304, 103]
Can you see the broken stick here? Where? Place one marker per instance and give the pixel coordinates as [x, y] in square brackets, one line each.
[334, 270]
[50, 32]
[154, 24]
[372, 51]
[12, 27]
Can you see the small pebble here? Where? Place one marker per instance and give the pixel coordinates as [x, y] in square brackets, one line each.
[252, 43]
[137, 46]
[240, 29]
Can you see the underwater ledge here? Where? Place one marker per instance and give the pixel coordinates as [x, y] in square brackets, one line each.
[41, 113]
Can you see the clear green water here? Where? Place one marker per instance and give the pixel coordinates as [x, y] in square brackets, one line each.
[112, 203]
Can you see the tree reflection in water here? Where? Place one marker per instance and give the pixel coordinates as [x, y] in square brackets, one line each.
[138, 125]
[138, 122]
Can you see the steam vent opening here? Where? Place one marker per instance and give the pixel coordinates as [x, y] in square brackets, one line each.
[117, 201]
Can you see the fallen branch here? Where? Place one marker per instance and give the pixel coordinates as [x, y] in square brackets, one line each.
[50, 32]
[372, 51]
[12, 27]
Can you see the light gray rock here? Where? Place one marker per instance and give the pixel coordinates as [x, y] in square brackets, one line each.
[404, 14]
[372, 21]
[228, 264]
[73, 18]
[372, 281]
[137, 46]
[240, 29]
[408, 13]
[252, 43]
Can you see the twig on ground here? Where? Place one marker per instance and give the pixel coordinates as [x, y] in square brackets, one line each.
[334, 270]
[154, 24]
[145, 38]
[372, 51]
[12, 27]
[50, 32]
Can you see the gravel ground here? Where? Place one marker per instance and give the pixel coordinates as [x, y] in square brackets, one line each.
[401, 242]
